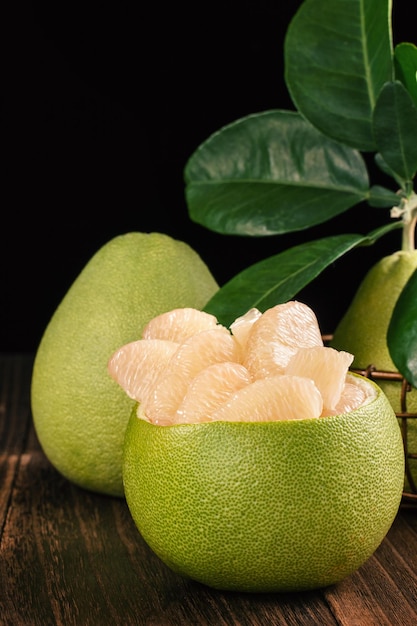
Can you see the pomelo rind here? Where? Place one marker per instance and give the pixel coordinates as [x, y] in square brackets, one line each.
[80, 414]
[267, 506]
[363, 328]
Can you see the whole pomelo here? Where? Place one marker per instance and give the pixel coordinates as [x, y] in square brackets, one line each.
[363, 331]
[79, 412]
[267, 506]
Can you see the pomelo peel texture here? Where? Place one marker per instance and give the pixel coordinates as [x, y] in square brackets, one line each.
[266, 506]
[286, 503]
[80, 413]
[363, 332]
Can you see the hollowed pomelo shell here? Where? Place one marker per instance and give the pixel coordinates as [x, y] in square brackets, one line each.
[271, 506]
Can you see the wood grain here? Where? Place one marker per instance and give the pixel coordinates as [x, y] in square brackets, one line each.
[71, 557]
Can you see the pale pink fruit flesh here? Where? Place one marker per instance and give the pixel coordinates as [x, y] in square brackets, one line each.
[188, 368]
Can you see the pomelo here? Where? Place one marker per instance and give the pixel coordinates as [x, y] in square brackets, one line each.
[363, 332]
[268, 489]
[79, 412]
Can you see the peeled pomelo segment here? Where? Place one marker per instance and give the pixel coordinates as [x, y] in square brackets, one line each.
[209, 390]
[136, 365]
[353, 396]
[277, 335]
[211, 374]
[191, 357]
[242, 325]
[326, 366]
[179, 324]
[271, 399]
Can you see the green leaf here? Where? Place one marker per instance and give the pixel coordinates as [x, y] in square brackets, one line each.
[279, 278]
[379, 232]
[405, 63]
[338, 55]
[395, 129]
[271, 173]
[382, 197]
[402, 332]
[384, 167]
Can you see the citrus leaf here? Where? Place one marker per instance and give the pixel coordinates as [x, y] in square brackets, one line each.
[405, 63]
[337, 56]
[395, 129]
[402, 332]
[382, 197]
[271, 173]
[384, 167]
[278, 278]
[379, 232]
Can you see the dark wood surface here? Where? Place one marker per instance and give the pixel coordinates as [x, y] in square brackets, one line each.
[71, 557]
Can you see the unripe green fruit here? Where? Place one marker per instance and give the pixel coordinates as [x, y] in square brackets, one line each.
[282, 505]
[363, 331]
[79, 412]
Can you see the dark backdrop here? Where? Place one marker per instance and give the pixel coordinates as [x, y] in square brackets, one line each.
[104, 103]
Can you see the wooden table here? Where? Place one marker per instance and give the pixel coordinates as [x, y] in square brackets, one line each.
[71, 557]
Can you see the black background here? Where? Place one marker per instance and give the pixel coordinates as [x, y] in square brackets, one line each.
[103, 105]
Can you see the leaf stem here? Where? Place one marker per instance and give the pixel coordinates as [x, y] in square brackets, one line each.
[409, 216]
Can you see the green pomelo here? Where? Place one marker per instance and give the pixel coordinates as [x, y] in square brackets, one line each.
[79, 412]
[362, 331]
[267, 506]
